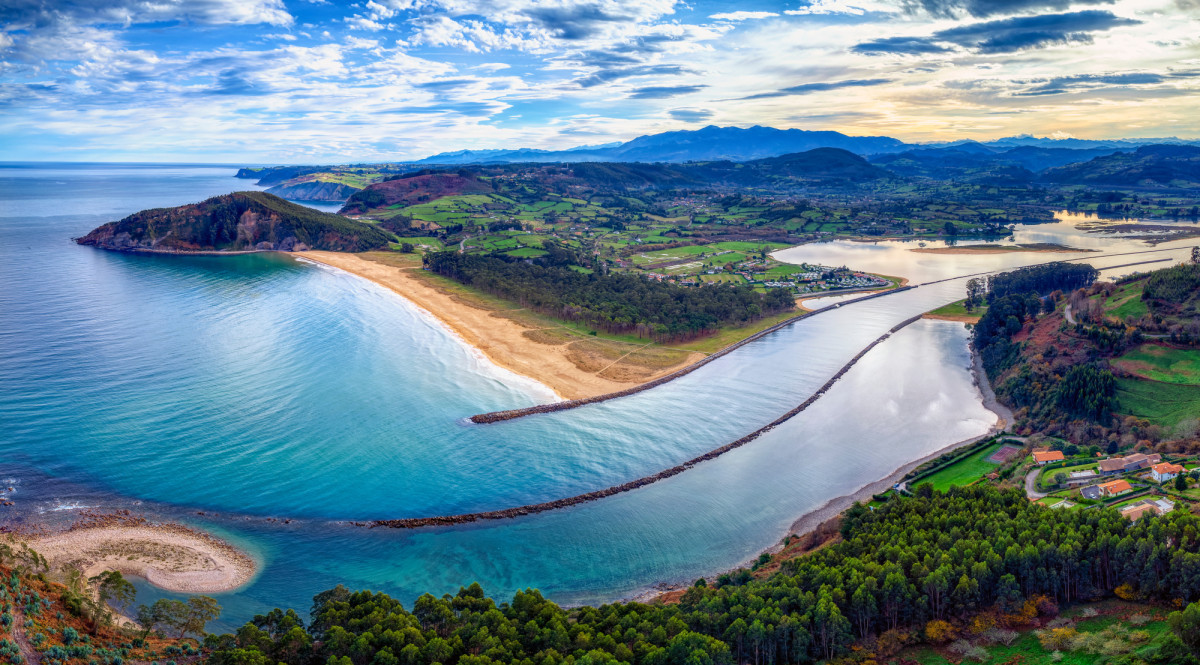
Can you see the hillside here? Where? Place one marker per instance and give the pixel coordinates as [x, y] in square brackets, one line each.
[236, 222]
[44, 621]
[1077, 365]
[419, 187]
[1155, 165]
[313, 190]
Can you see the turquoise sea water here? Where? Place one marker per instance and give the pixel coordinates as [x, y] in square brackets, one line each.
[263, 387]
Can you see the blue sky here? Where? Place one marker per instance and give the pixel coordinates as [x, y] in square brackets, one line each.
[322, 81]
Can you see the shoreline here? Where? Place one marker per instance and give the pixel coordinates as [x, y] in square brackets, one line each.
[168, 555]
[999, 249]
[811, 521]
[499, 340]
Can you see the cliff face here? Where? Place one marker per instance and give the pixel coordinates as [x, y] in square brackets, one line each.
[314, 190]
[237, 222]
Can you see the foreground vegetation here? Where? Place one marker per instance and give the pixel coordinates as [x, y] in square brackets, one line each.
[937, 567]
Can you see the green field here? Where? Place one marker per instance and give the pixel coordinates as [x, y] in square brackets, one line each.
[1104, 638]
[959, 309]
[963, 472]
[1161, 363]
[1047, 474]
[1161, 403]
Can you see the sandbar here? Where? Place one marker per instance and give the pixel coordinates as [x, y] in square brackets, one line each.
[169, 556]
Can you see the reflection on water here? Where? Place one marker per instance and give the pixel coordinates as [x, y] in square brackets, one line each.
[1071, 230]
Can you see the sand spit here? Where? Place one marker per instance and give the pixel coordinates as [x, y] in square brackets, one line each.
[169, 556]
[1000, 249]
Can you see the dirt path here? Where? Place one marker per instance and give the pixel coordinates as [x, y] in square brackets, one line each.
[31, 655]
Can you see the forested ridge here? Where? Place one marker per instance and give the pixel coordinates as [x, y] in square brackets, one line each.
[613, 302]
[1049, 392]
[238, 221]
[899, 572]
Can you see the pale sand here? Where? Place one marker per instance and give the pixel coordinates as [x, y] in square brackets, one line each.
[996, 249]
[500, 339]
[957, 318]
[169, 556]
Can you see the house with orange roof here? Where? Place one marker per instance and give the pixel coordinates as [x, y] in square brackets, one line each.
[1115, 488]
[1043, 457]
[1165, 471]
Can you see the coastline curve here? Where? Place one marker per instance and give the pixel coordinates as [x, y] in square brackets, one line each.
[507, 513]
[510, 414]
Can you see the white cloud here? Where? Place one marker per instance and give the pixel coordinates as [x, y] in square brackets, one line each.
[741, 16]
[854, 7]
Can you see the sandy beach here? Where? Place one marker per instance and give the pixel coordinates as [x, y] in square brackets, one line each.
[169, 556]
[572, 369]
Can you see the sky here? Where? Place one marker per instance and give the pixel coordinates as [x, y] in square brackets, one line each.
[295, 81]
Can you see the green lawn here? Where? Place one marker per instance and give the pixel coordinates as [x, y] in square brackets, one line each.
[958, 308]
[1161, 363]
[1049, 473]
[963, 472]
[1161, 403]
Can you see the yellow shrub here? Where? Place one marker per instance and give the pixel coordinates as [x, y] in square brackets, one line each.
[982, 624]
[1057, 639]
[939, 632]
[1126, 592]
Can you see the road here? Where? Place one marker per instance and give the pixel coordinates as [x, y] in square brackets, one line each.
[1031, 484]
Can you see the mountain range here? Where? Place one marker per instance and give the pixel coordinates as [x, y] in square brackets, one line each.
[740, 144]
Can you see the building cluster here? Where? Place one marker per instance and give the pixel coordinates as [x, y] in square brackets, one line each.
[1145, 465]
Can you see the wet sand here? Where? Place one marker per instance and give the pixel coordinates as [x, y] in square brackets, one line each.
[169, 556]
[501, 340]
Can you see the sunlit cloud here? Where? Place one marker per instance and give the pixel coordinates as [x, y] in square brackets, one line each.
[261, 80]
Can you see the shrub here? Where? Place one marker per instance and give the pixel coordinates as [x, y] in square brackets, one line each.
[1056, 639]
[939, 632]
[1126, 592]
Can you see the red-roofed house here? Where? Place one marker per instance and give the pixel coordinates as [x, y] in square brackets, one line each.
[1042, 457]
[1165, 471]
[1115, 487]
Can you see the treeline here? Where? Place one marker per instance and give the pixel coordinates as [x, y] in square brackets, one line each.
[1171, 287]
[1043, 279]
[616, 303]
[1084, 391]
[913, 568]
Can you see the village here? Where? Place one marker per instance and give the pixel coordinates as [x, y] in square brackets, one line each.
[1062, 477]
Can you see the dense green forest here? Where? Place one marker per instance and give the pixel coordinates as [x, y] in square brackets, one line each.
[1017, 296]
[900, 571]
[1041, 279]
[1049, 392]
[616, 302]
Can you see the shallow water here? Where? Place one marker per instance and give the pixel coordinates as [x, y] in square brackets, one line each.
[259, 386]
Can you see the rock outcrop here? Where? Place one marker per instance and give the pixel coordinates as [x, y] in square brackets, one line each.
[242, 221]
